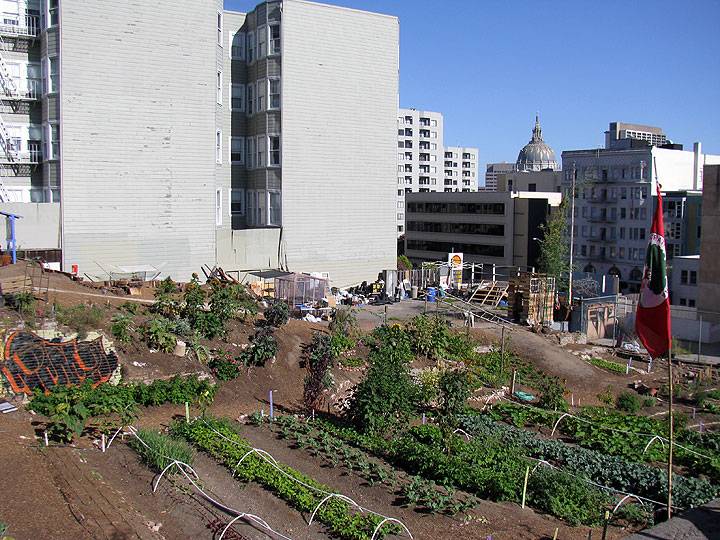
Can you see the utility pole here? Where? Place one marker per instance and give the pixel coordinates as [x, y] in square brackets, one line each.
[572, 235]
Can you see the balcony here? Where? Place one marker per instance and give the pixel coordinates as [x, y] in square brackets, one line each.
[12, 156]
[27, 26]
[14, 89]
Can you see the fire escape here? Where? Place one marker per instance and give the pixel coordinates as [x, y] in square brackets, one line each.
[16, 35]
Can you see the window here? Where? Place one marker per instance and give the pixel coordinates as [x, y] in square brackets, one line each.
[274, 206]
[274, 150]
[218, 146]
[237, 97]
[261, 42]
[532, 187]
[53, 76]
[255, 205]
[219, 28]
[237, 46]
[691, 302]
[218, 88]
[218, 207]
[53, 141]
[693, 277]
[237, 150]
[274, 99]
[683, 302]
[275, 39]
[250, 98]
[237, 201]
[250, 153]
[251, 47]
[52, 12]
[260, 96]
[260, 148]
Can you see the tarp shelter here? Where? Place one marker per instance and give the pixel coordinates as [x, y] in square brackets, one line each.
[301, 289]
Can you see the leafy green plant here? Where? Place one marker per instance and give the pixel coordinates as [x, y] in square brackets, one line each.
[158, 333]
[351, 361]
[552, 396]
[607, 397]
[387, 396]
[610, 366]
[121, 327]
[403, 263]
[277, 314]
[561, 495]
[318, 379]
[224, 366]
[133, 308]
[221, 442]
[263, 347]
[160, 450]
[193, 301]
[166, 286]
[628, 402]
[454, 387]
[430, 335]
[23, 302]
[71, 408]
[209, 324]
[341, 343]
[80, 318]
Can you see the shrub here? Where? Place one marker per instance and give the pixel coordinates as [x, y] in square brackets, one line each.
[628, 402]
[162, 450]
[318, 379]
[224, 366]
[454, 389]
[158, 334]
[194, 301]
[80, 318]
[430, 335]
[552, 396]
[403, 263]
[277, 314]
[561, 495]
[23, 302]
[387, 396]
[607, 397]
[344, 321]
[649, 402]
[166, 286]
[133, 308]
[121, 327]
[209, 325]
[262, 348]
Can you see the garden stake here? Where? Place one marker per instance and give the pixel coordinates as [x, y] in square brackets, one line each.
[102, 442]
[556, 533]
[627, 367]
[272, 411]
[46, 438]
[423, 419]
[187, 412]
[512, 387]
[572, 400]
[693, 413]
[605, 527]
[527, 473]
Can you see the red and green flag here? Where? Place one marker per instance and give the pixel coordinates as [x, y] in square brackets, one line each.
[652, 321]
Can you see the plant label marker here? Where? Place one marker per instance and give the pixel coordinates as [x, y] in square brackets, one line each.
[527, 473]
[272, 411]
[187, 412]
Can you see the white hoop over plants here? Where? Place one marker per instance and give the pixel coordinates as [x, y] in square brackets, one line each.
[339, 496]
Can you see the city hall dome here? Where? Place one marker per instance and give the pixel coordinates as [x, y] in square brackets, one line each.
[536, 155]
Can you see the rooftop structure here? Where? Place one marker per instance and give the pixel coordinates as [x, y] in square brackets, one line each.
[536, 155]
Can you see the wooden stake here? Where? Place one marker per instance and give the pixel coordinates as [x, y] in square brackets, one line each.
[502, 349]
[512, 386]
[670, 436]
[45, 437]
[556, 533]
[527, 473]
[607, 522]
[102, 442]
[187, 412]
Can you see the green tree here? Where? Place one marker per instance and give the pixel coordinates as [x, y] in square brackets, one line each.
[454, 388]
[554, 246]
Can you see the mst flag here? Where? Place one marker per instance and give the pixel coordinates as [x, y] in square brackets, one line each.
[652, 321]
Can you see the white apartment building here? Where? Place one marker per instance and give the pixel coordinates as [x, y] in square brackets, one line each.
[460, 172]
[424, 164]
[419, 155]
[232, 148]
[615, 199]
[619, 132]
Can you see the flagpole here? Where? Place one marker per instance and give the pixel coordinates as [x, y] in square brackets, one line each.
[670, 420]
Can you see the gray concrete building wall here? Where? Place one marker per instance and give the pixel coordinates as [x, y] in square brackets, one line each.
[492, 172]
[138, 134]
[340, 102]
[684, 283]
[38, 228]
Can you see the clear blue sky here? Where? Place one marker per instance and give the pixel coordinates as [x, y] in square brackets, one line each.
[488, 65]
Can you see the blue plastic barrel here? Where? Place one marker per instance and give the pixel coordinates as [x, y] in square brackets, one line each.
[431, 292]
